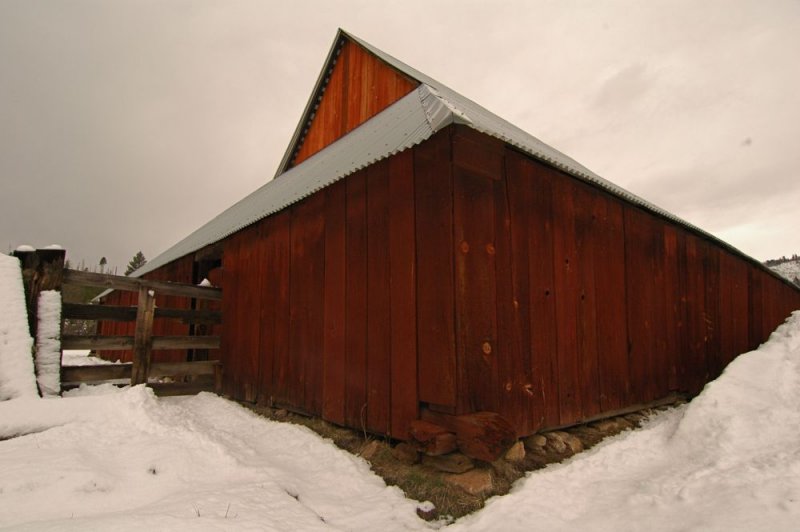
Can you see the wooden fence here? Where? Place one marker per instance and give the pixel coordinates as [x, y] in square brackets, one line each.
[198, 376]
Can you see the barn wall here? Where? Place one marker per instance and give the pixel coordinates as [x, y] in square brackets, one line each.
[462, 276]
[319, 303]
[570, 302]
[359, 87]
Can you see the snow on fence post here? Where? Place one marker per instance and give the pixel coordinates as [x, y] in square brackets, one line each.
[48, 343]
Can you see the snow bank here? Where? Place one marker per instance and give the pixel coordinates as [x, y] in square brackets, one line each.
[730, 460]
[48, 343]
[129, 461]
[16, 360]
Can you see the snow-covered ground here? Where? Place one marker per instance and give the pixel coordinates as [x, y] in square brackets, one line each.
[102, 458]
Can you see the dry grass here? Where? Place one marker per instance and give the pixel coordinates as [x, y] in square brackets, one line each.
[423, 483]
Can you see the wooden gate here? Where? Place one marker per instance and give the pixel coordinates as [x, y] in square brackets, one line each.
[166, 378]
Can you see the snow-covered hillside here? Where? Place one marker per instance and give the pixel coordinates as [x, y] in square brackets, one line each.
[107, 459]
[789, 268]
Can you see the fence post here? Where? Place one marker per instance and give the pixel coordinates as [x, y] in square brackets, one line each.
[42, 270]
[143, 336]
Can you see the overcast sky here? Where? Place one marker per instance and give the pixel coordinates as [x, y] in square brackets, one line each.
[125, 125]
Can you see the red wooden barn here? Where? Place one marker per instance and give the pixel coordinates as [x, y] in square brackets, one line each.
[417, 254]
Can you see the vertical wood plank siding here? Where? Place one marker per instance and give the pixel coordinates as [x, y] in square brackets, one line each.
[359, 87]
[462, 276]
[331, 301]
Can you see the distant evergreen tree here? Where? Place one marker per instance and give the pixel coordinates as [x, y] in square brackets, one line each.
[136, 262]
[103, 263]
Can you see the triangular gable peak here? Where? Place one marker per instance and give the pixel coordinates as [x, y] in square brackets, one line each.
[354, 86]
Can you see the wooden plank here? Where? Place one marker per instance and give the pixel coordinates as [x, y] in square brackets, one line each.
[566, 270]
[143, 336]
[107, 372]
[740, 304]
[276, 338]
[712, 305]
[673, 323]
[609, 271]
[121, 343]
[404, 402]
[696, 363]
[186, 342]
[535, 183]
[477, 348]
[586, 243]
[755, 307]
[105, 343]
[333, 345]
[355, 71]
[379, 314]
[327, 124]
[478, 153]
[519, 205]
[172, 369]
[658, 307]
[684, 348]
[513, 325]
[248, 307]
[640, 290]
[230, 338]
[433, 189]
[484, 436]
[79, 311]
[95, 373]
[306, 314]
[170, 389]
[356, 301]
[116, 282]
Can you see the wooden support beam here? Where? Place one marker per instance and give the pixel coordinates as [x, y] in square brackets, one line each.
[483, 435]
[108, 372]
[174, 369]
[101, 372]
[168, 389]
[143, 336]
[133, 284]
[432, 439]
[80, 311]
[97, 343]
[186, 342]
[123, 343]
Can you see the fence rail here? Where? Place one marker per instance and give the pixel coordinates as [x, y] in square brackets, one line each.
[133, 284]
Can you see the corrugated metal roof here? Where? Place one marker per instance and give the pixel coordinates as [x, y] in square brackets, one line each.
[479, 118]
[409, 121]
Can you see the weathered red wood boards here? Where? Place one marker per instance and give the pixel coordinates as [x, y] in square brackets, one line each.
[359, 87]
[436, 349]
[461, 276]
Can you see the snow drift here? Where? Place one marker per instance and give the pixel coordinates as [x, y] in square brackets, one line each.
[16, 359]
